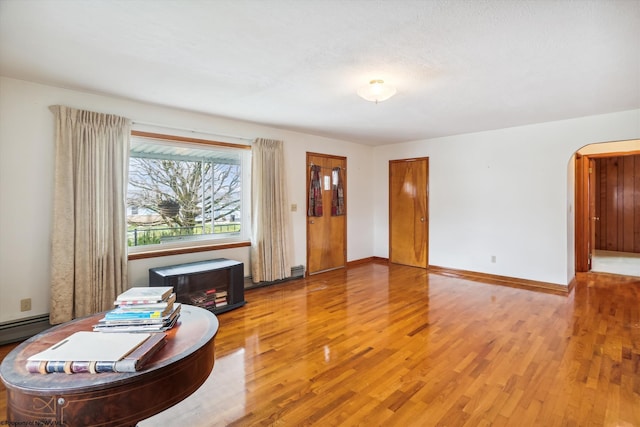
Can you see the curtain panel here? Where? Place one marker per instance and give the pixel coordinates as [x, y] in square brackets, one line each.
[270, 216]
[89, 246]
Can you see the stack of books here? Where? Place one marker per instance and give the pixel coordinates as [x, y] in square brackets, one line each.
[221, 299]
[209, 299]
[142, 309]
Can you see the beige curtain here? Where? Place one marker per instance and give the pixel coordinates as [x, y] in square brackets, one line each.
[89, 247]
[270, 221]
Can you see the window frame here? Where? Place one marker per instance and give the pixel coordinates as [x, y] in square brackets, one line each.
[182, 247]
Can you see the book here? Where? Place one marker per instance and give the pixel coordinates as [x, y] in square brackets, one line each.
[132, 362]
[135, 327]
[86, 347]
[149, 306]
[144, 295]
[123, 314]
[139, 324]
[135, 360]
[202, 298]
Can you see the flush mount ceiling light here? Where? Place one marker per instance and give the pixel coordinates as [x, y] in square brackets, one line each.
[377, 91]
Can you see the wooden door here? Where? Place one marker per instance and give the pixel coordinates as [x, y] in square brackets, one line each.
[408, 212]
[326, 213]
[592, 196]
[583, 217]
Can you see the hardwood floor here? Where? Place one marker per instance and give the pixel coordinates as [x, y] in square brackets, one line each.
[397, 346]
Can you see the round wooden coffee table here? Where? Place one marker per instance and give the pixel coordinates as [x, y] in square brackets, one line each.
[110, 399]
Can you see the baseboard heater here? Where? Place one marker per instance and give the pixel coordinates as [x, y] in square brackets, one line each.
[297, 272]
[19, 330]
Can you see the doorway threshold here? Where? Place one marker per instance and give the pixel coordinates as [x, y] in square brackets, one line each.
[625, 263]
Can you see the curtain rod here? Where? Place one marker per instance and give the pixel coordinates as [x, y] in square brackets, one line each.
[135, 122]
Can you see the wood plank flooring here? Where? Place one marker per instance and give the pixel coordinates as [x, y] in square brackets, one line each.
[391, 345]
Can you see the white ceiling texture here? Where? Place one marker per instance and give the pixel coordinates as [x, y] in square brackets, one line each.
[459, 65]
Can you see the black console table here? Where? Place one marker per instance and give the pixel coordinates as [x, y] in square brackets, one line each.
[216, 285]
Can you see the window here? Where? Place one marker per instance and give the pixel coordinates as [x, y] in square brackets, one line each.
[186, 192]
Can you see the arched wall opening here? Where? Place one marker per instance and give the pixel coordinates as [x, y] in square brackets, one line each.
[604, 226]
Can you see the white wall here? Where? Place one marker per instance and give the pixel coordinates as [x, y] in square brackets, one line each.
[26, 171]
[506, 192]
[503, 193]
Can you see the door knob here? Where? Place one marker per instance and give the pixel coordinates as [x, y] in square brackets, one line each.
[422, 219]
[311, 222]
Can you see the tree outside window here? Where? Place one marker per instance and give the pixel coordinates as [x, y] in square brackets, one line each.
[183, 192]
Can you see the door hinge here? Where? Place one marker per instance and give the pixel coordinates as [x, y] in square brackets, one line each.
[590, 170]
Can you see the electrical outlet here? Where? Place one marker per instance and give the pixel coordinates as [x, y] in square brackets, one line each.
[25, 304]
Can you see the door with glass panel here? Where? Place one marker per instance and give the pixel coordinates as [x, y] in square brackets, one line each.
[326, 212]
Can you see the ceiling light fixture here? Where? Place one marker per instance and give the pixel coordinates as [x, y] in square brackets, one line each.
[377, 91]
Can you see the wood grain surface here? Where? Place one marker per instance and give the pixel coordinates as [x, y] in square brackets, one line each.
[617, 198]
[391, 345]
[109, 399]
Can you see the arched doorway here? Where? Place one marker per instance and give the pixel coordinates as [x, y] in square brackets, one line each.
[607, 222]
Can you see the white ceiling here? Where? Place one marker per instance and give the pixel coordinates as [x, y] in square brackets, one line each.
[459, 65]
